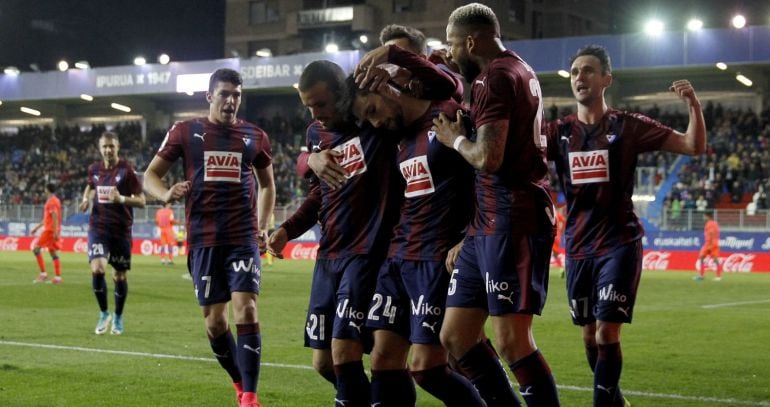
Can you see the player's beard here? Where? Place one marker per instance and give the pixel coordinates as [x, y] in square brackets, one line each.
[468, 69]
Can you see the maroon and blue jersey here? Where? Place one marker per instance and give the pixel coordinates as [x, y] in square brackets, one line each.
[221, 208]
[597, 167]
[438, 195]
[357, 218]
[513, 198]
[109, 218]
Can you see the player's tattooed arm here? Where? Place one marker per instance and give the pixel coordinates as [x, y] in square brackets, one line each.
[486, 153]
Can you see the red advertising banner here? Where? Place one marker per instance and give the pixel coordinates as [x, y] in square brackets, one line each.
[663, 260]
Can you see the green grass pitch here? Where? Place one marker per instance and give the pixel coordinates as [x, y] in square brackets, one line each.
[691, 344]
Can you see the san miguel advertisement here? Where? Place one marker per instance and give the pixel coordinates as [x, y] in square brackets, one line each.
[740, 252]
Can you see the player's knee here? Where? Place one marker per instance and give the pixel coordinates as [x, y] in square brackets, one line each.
[607, 332]
[36, 251]
[322, 362]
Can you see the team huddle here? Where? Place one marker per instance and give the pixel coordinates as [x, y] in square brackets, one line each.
[436, 218]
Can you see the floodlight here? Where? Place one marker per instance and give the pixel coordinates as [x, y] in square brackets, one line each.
[63, 65]
[332, 47]
[563, 73]
[164, 59]
[31, 111]
[86, 97]
[363, 38]
[739, 21]
[654, 27]
[694, 24]
[744, 80]
[11, 70]
[264, 52]
[122, 108]
[433, 42]
[139, 61]
[82, 65]
[722, 66]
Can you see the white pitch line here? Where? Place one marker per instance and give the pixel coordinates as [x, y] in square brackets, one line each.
[676, 397]
[199, 359]
[140, 354]
[732, 304]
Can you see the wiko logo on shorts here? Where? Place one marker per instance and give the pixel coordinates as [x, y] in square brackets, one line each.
[608, 293]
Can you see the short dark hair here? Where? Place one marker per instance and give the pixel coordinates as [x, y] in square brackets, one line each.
[111, 135]
[597, 51]
[50, 188]
[475, 17]
[414, 37]
[322, 71]
[225, 75]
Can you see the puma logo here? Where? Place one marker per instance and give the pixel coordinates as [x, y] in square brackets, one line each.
[508, 298]
[429, 326]
[358, 327]
[200, 136]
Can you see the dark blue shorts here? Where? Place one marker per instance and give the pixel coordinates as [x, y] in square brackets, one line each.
[339, 299]
[604, 287]
[221, 270]
[505, 274]
[117, 250]
[409, 299]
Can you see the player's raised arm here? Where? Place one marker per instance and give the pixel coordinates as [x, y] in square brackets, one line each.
[693, 141]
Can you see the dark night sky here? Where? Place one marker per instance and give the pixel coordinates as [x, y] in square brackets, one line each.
[113, 32]
[108, 32]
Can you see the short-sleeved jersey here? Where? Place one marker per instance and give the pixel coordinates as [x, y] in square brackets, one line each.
[438, 194]
[711, 233]
[357, 218]
[510, 199]
[221, 208]
[109, 218]
[597, 168]
[164, 218]
[52, 205]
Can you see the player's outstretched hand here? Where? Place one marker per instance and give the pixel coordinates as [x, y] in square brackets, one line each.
[447, 130]
[276, 242]
[177, 191]
[326, 167]
[262, 241]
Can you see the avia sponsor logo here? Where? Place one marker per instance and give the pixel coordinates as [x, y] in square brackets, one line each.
[103, 193]
[80, 246]
[9, 244]
[416, 172]
[655, 260]
[732, 242]
[678, 241]
[353, 160]
[766, 245]
[608, 293]
[589, 166]
[303, 252]
[493, 286]
[222, 166]
[424, 308]
[344, 311]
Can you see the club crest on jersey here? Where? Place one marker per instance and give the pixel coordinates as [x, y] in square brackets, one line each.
[416, 172]
[431, 136]
[589, 166]
[103, 193]
[352, 159]
[222, 166]
[611, 138]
